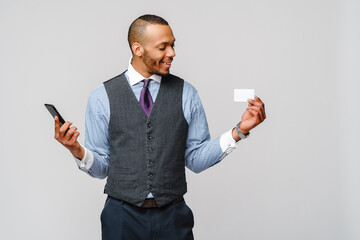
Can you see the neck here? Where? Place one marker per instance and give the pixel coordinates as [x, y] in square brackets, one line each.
[139, 66]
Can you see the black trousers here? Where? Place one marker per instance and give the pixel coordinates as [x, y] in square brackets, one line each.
[123, 221]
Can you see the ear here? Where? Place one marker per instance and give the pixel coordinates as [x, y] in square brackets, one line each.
[137, 49]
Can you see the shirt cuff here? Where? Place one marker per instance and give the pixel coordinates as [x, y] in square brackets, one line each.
[87, 161]
[227, 142]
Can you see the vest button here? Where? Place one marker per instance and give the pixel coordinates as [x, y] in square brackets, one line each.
[149, 137]
[148, 149]
[149, 125]
[150, 175]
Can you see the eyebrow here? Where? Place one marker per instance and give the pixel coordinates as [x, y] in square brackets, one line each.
[166, 43]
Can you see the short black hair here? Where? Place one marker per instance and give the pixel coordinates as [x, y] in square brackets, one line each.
[138, 26]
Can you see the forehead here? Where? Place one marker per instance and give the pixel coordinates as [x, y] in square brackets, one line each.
[156, 34]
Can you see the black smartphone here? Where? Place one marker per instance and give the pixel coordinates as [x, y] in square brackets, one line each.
[54, 112]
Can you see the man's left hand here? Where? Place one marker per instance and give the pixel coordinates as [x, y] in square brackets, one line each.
[253, 116]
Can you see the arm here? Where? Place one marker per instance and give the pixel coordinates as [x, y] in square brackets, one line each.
[203, 152]
[96, 161]
[94, 157]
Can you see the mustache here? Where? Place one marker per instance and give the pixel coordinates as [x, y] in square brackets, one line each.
[171, 58]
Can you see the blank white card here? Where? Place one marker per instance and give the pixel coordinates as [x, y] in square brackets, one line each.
[242, 95]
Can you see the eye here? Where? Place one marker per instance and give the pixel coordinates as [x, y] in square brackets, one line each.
[162, 48]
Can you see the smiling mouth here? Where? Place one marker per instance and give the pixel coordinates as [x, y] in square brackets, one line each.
[167, 63]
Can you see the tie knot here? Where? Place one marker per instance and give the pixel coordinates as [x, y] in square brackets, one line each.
[146, 82]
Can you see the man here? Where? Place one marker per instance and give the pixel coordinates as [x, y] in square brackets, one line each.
[142, 128]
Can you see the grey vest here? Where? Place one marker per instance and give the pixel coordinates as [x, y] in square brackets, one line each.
[146, 154]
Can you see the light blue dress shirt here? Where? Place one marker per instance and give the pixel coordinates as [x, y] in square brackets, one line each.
[201, 151]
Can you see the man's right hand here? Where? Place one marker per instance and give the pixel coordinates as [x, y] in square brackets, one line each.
[67, 136]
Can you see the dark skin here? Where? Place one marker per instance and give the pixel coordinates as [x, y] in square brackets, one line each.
[154, 56]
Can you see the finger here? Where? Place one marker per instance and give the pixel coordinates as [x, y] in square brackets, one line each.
[73, 139]
[258, 102]
[263, 111]
[69, 134]
[257, 99]
[57, 127]
[252, 102]
[259, 111]
[64, 128]
[256, 115]
[260, 105]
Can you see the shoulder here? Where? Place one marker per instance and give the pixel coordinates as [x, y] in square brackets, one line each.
[115, 78]
[190, 97]
[98, 102]
[190, 101]
[188, 89]
[98, 93]
[98, 98]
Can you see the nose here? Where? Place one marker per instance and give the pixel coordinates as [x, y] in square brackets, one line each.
[171, 52]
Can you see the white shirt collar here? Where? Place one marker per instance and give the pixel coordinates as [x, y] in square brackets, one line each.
[135, 77]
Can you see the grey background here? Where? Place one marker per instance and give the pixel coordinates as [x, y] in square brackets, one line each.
[297, 177]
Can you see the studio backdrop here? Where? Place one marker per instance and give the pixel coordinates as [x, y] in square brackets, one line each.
[296, 177]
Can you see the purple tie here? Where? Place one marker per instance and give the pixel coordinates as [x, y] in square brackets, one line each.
[146, 101]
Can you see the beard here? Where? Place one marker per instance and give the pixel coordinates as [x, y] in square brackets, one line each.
[152, 65]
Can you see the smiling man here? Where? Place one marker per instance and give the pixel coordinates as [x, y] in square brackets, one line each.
[143, 128]
[152, 46]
